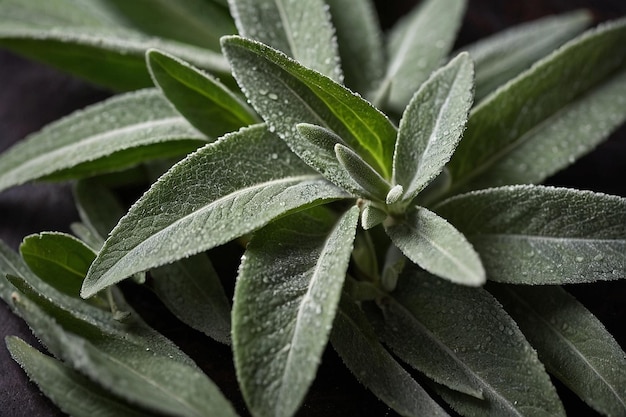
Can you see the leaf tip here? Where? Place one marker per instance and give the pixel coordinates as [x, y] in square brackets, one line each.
[394, 195]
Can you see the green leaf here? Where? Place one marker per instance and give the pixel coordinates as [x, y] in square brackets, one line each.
[300, 29]
[285, 94]
[108, 136]
[571, 342]
[287, 292]
[435, 245]
[471, 335]
[191, 289]
[417, 46]
[57, 380]
[554, 112]
[208, 105]
[355, 341]
[221, 192]
[361, 172]
[98, 208]
[432, 126]
[542, 235]
[11, 264]
[360, 43]
[504, 55]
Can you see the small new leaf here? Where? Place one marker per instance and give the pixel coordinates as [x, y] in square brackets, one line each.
[362, 172]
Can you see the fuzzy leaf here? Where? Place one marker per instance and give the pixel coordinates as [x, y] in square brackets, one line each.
[361, 172]
[504, 55]
[221, 192]
[72, 392]
[543, 235]
[300, 29]
[546, 117]
[287, 292]
[435, 245]
[11, 264]
[571, 342]
[355, 341]
[191, 289]
[417, 46]
[285, 94]
[108, 136]
[474, 336]
[432, 126]
[205, 102]
[98, 208]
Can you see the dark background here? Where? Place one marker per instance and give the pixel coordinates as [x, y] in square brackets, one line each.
[32, 95]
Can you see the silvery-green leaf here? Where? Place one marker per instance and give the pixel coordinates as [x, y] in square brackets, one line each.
[543, 235]
[572, 344]
[360, 43]
[547, 116]
[87, 235]
[504, 55]
[287, 292]
[191, 289]
[224, 190]
[98, 208]
[417, 46]
[361, 172]
[72, 392]
[437, 246]
[300, 29]
[118, 133]
[466, 331]
[372, 216]
[355, 341]
[204, 101]
[285, 94]
[11, 264]
[432, 125]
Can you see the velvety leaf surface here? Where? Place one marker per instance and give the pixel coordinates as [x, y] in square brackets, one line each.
[571, 343]
[107, 136]
[300, 29]
[285, 94]
[11, 264]
[204, 101]
[355, 341]
[98, 208]
[543, 235]
[221, 192]
[287, 292]
[361, 172]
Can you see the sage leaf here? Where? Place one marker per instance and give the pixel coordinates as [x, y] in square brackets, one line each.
[472, 335]
[435, 245]
[360, 43]
[285, 93]
[372, 216]
[570, 91]
[57, 380]
[205, 102]
[191, 290]
[300, 29]
[287, 292]
[417, 45]
[355, 341]
[118, 133]
[432, 125]
[571, 343]
[542, 235]
[98, 208]
[11, 264]
[86, 235]
[223, 191]
[504, 55]
[361, 172]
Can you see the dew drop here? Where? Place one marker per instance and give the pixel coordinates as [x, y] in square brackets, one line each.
[272, 96]
[598, 257]
[579, 259]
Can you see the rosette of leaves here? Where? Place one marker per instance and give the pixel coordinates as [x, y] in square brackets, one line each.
[380, 190]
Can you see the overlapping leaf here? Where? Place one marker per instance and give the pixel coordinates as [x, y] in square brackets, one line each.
[98, 208]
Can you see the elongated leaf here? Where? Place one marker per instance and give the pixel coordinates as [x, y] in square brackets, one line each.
[432, 126]
[221, 192]
[470, 328]
[300, 29]
[11, 264]
[435, 245]
[572, 344]
[355, 341]
[542, 235]
[360, 43]
[361, 172]
[417, 46]
[516, 124]
[286, 297]
[203, 100]
[57, 380]
[285, 94]
[98, 208]
[112, 135]
[191, 289]
[504, 55]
